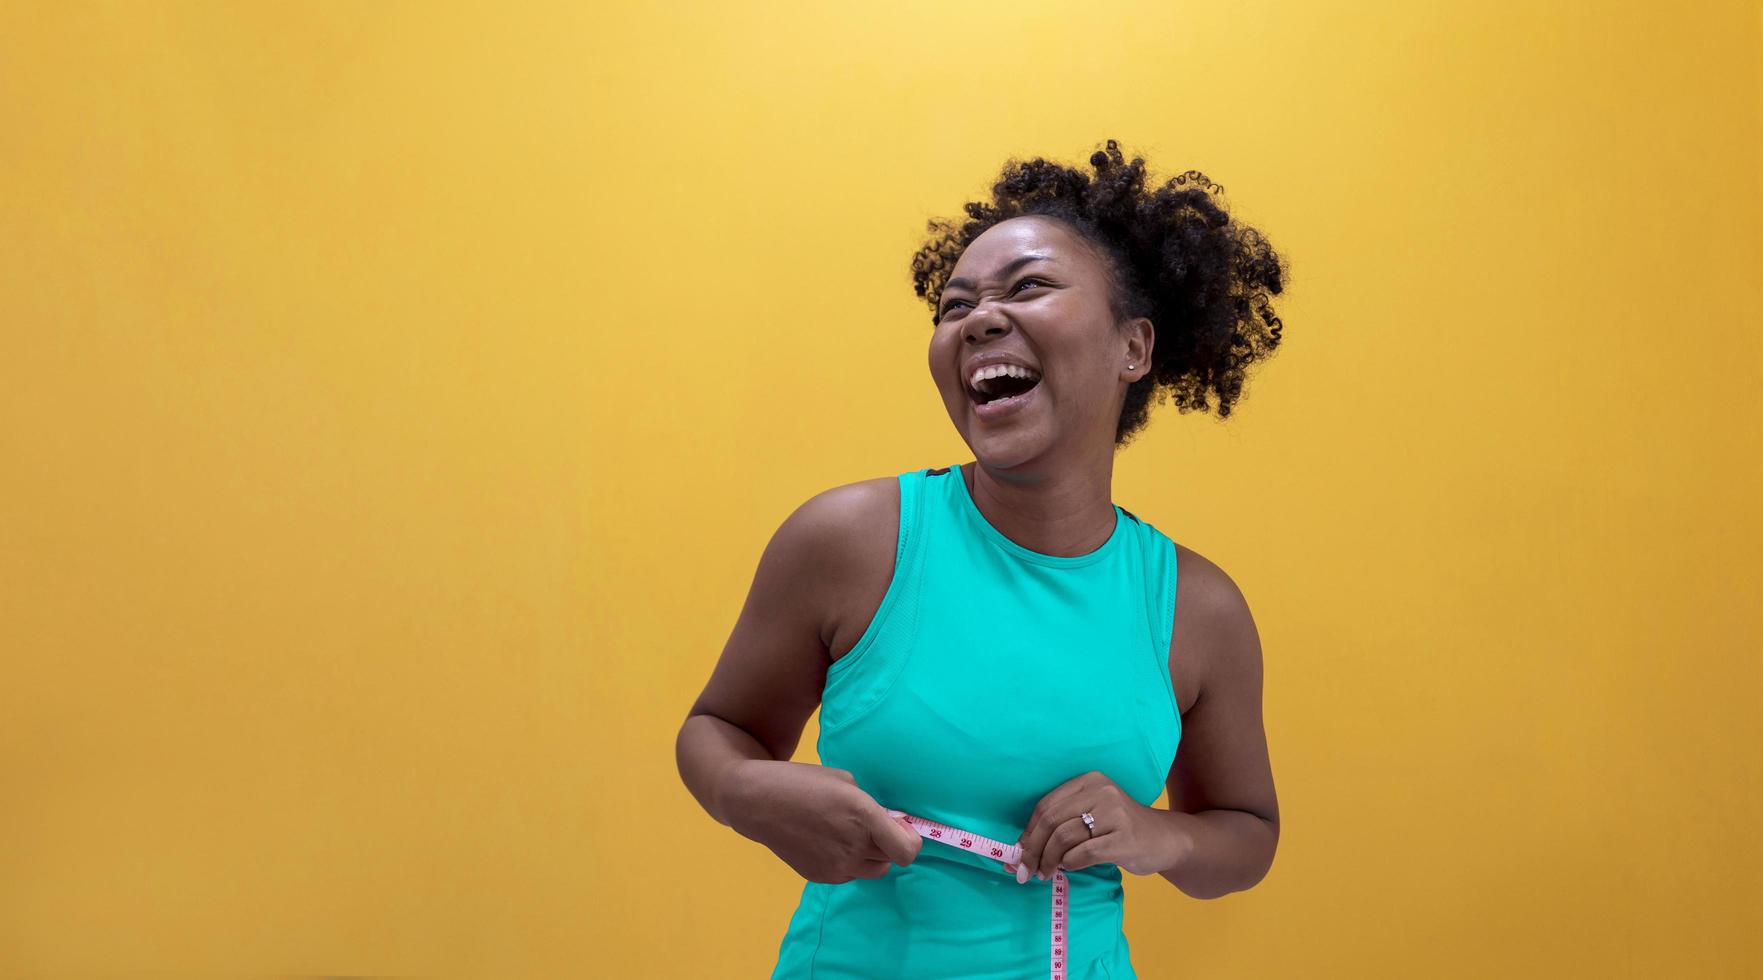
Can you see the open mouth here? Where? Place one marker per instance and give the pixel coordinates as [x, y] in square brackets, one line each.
[1001, 388]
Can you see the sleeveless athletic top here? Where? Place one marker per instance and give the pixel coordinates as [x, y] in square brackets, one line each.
[989, 675]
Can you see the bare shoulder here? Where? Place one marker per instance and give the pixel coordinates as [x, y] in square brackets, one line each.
[864, 501]
[1214, 629]
[1223, 762]
[839, 548]
[857, 526]
[822, 557]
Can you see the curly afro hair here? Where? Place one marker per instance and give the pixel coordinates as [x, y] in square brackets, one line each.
[1175, 257]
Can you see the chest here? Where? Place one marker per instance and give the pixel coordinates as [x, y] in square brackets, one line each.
[987, 685]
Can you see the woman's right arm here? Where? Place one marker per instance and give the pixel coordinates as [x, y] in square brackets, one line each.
[735, 746]
[773, 667]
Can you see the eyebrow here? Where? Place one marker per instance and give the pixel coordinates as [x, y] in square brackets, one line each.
[1009, 267]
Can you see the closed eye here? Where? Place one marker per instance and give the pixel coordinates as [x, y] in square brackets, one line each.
[1013, 290]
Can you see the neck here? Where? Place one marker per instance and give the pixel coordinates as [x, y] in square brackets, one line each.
[1064, 515]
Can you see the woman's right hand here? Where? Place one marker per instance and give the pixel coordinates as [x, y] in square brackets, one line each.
[817, 820]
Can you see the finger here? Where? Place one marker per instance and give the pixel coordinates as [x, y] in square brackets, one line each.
[1073, 847]
[1051, 804]
[873, 868]
[1051, 811]
[1068, 835]
[1040, 834]
[1083, 855]
[1034, 851]
[894, 836]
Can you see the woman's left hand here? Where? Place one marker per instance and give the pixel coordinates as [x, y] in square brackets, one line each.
[1139, 838]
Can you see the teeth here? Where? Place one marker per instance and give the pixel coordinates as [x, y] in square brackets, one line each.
[998, 371]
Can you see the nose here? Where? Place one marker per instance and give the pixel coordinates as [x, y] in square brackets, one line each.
[984, 320]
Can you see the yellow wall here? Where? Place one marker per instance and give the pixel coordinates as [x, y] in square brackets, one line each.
[397, 398]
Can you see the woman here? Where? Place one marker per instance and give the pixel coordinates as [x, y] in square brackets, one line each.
[1005, 660]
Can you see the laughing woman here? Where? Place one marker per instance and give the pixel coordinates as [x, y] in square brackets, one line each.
[1005, 660]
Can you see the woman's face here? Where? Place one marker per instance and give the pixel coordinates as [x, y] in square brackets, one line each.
[1032, 291]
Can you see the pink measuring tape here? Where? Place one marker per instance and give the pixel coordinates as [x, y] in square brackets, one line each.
[1008, 854]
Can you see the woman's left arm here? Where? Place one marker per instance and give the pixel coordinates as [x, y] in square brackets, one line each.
[1223, 816]
[1222, 826]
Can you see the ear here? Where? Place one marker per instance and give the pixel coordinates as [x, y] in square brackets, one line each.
[1141, 338]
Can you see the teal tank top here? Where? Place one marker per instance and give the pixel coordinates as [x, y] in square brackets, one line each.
[989, 675]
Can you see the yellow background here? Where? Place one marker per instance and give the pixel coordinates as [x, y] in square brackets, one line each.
[397, 398]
